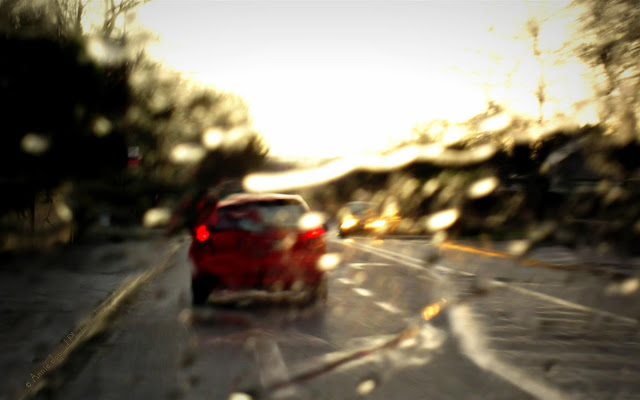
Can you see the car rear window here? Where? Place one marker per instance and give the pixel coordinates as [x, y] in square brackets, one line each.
[260, 214]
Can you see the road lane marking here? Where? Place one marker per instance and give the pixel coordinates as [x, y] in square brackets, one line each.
[271, 365]
[543, 319]
[362, 265]
[556, 311]
[571, 356]
[566, 303]
[474, 346]
[526, 261]
[388, 307]
[363, 292]
[568, 262]
[537, 284]
[617, 344]
[330, 362]
[422, 265]
[408, 261]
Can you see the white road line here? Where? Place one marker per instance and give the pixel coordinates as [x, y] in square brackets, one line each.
[363, 292]
[473, 346]
[542, 319]
[389, 255]
[361, 265]
[270, 363]
[408, 260]
[388, 307]
[367, 293]
[419, 264]
[566, 303]
[581, 343]
[569, 313]
[567, 357]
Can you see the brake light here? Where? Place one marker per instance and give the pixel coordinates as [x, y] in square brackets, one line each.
[314, 233]
[202, 233]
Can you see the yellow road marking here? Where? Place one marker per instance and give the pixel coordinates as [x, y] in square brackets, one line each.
[525, 261]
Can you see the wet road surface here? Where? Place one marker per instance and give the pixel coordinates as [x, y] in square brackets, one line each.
[394, 326]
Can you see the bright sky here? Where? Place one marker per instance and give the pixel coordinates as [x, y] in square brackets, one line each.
[326, 78]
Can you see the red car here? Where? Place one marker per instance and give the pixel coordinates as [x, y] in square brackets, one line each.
[258, 241]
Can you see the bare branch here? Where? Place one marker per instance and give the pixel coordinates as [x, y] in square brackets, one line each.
[79, 16]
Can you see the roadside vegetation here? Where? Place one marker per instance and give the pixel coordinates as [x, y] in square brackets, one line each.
[565, 169]
[95, 132]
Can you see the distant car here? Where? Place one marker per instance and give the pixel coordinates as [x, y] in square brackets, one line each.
[362, 217]
[258, 241]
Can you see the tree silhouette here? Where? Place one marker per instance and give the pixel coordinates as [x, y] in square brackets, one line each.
[61, 117]
[70, 116]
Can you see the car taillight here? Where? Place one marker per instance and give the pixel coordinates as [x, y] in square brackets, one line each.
[202, 233]
[314, 238]
[313, 233]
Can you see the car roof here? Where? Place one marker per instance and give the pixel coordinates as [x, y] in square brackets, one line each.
[242, 198]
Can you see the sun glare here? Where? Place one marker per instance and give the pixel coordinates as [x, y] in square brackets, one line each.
[309, 97]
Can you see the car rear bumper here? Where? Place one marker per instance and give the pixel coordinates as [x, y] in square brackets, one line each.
[223, 296]
[275, 272]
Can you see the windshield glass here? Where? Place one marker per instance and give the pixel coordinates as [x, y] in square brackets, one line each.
[354, 199]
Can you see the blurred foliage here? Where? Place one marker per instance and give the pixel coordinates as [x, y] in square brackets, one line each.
[54, 100]
[612, 47]
[560, 178]
[169, 111]
[67, 18]
[74, 101]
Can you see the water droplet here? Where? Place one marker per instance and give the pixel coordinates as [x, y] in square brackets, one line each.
[366, 387]
[185, 316]
[34, 143]
[311, 220]
[101, 126]
[155, 217]
[430, 187]
[518, 247]
[329, 261]
[64, 212]
[482, 187]
[626, 287]
[187, 153]
[239, 396]
[212, 138]
[442, 219]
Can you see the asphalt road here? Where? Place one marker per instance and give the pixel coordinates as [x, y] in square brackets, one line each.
[399, 322]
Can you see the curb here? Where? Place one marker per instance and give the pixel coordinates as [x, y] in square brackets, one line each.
[93, 324]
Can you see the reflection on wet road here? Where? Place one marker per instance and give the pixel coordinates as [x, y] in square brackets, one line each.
[394, 326]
